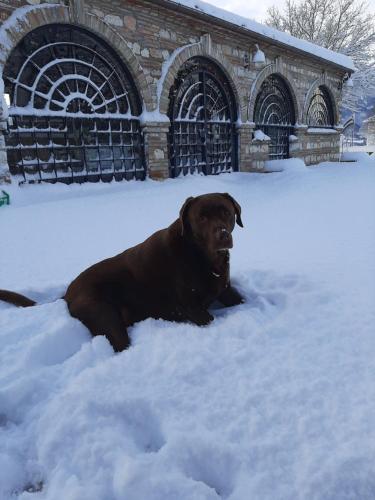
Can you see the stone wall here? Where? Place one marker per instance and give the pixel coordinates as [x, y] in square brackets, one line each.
[369, 130]
[154, 40]
[315, 146]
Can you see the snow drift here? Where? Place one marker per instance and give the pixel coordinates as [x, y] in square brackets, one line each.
[274, 400]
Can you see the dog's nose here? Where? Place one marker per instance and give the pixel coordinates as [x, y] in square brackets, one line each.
[223, 234]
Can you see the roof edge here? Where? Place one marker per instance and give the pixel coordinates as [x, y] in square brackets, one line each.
[271, 35]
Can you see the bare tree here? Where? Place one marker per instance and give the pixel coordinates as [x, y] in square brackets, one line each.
[344, 26]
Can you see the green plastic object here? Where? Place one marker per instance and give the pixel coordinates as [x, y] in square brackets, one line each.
[4, 198]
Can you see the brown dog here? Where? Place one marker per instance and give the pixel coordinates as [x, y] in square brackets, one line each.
[175, 274]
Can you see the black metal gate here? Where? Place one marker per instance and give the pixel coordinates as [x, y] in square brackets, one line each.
[274, 114]
[203, 118]
[74, 109]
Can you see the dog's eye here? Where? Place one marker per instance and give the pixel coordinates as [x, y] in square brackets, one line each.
[202, 217]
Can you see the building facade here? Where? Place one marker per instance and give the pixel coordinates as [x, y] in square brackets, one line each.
[368, 130]
[126, 89]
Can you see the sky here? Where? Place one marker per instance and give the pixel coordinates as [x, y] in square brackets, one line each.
[256, 9]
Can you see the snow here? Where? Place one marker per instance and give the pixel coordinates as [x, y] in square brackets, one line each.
[321, 130]
[268, 32]
[274, 400]
[259, 56]
[15, 21]
[259, 135]
[359, 157]
[30, 110]
[19, 16]
[4, 111]
[282, 165]
[153, 116]
[164, 71]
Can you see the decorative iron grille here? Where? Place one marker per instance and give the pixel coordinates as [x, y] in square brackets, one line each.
[203, 115]
[320, 110]
[274, 114]
[347, 134]
[74, 109]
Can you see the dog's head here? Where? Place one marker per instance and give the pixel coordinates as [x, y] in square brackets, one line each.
[209, 220]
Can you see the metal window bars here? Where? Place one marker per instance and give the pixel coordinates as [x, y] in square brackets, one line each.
[274, 114]
[202, 111]
[70, 149]
[74, 109]
[320, 112]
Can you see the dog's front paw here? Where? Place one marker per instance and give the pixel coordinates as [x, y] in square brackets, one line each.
[230, 297]
[206, 320]
[199, 317]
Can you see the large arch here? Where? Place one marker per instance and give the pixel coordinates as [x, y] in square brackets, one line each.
[75, 108]
[275, 114]
[203, 116]
[24, 20]
[320, 82]
[277, 69]
[204, 48]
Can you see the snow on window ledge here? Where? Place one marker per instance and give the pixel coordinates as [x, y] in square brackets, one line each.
[260, 136]
[317, 130]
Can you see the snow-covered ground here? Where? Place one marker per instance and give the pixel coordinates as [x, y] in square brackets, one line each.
[274, 400]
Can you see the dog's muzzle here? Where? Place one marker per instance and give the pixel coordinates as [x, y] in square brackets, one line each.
[224, 239]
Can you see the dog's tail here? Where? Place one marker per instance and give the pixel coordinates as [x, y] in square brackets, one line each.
[16, 299]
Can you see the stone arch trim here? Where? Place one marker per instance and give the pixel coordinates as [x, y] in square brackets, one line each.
[200, 49]
[24, 20]
[271, 69]
[322, 81]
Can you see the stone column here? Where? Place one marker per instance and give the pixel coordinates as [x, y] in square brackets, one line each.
[298, 147]
[155, 136]
[245, 136]
[4, 116]
[4, 167]
[370, 135]
[253, 152]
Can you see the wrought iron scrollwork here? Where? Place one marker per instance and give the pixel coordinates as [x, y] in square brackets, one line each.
[74, 107]
[320, 111]
[203, 115]
[274, 114]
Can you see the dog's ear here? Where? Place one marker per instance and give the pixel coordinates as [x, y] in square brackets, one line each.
[183, 213]
[237, 208]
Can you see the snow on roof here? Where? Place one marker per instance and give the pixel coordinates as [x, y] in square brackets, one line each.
[268, 32]
[278, 36]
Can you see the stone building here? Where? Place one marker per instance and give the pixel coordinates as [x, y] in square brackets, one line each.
[368, 130]
[128, 88]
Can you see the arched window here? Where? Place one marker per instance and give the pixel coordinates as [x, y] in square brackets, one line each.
[274, 114]
[74, 109]
[320, 111]
[203, 114]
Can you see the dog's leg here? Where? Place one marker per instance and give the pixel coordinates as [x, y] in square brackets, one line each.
[200, 317]
[230, 297]
[102, 318]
